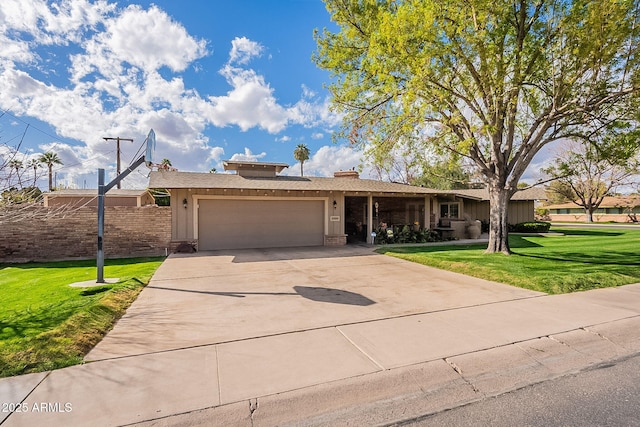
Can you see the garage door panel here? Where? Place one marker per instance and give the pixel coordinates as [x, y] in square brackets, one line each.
[236, 224]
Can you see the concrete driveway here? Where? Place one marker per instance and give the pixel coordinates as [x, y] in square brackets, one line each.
[225, 296]
[321, 336]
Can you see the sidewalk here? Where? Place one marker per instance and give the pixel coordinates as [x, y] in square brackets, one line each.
[372, 372]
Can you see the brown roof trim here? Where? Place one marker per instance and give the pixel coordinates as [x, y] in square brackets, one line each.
[234, 165]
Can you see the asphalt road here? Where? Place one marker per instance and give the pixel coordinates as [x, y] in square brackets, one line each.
[606, 395]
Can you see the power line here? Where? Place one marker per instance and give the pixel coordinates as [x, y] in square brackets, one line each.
[28, 124]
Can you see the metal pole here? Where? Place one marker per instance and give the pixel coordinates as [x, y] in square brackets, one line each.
[100, 257]
[118, 160]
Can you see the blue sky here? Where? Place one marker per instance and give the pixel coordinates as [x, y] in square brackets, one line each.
[215, 79]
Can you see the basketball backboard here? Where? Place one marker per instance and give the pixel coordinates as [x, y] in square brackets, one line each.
[151, 148]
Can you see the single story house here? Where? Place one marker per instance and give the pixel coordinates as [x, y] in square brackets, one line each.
[114, 197]
[258, 208]
[612, 208]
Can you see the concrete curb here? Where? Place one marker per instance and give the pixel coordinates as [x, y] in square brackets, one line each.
[397, 395]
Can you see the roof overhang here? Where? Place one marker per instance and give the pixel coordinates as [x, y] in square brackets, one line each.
[234, 165]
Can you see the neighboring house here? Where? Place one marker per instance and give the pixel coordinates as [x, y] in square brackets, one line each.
[114, 197]
[615, 208]
[257, 208]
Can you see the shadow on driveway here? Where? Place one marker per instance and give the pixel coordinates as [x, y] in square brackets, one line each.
[319, 294]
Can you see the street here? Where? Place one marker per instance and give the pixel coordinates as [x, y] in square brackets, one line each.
[606, 395]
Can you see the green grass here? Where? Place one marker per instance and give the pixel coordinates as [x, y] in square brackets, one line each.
[582, 259]
[46, 324]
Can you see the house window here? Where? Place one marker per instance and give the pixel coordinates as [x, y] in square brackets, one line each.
[450, 210]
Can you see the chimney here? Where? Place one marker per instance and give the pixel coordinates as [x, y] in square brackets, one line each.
[352, 174]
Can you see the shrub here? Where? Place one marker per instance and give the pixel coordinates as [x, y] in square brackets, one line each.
[531, 227]
[404, 234]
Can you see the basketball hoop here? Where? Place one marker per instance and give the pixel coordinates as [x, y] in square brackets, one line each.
[103, 188]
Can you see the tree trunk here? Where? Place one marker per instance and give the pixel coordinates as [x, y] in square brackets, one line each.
[50, 178]
[589, 215]
[498, 227]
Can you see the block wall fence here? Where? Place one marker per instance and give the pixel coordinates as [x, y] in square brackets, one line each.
[128, 232]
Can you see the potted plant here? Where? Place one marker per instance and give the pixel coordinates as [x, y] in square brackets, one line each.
[473, 227]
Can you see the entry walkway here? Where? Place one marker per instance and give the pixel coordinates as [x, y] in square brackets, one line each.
[321, 337]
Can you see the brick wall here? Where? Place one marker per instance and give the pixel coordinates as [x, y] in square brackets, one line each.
[128, 232]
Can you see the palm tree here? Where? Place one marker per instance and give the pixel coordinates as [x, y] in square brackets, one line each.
[17, 165]
[301, 154]
[35, 164]
[165, 164]
[50, 158]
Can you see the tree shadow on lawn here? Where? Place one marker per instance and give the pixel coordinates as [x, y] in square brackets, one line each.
[514, 242]
[603, 258]
[34, 322]
[584, 232]
[79, 263]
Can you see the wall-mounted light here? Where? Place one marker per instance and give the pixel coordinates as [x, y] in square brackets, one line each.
[184, 203]
[335, 204]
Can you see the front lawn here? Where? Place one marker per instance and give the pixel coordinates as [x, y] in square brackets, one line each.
[46, 324]
[581, 259]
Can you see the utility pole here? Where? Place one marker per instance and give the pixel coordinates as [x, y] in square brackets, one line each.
[118, 139]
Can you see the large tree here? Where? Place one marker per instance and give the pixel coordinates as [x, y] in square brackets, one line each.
[492, 81]
[587, 172]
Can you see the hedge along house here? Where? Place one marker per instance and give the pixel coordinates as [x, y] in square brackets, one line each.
[257, 208]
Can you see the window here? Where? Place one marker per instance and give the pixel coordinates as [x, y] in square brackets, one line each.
[450, 210]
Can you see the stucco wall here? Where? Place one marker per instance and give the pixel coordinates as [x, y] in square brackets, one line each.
[128, 232]
[519, 210]
[596, 217]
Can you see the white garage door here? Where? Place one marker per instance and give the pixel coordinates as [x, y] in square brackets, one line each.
[239, 224]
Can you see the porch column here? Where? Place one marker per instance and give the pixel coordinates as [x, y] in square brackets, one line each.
[427, 213]
[369, 218]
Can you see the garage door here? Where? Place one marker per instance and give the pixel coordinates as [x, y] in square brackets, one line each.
[239, 224]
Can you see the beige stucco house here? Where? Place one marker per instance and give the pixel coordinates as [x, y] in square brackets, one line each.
[114, 197]
[612, 208]
[255, 207]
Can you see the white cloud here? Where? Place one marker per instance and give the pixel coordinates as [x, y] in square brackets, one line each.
[283, 138]
[58, 23]
[317, 135]
[243, 50]
[329, 159]
[247, 156]
[249, 104]
[146, 39]
[215, 154]
[307, 93]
